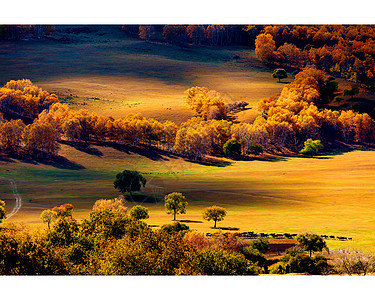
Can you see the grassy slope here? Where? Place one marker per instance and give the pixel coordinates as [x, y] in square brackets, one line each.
[127, 75]
[327, 196]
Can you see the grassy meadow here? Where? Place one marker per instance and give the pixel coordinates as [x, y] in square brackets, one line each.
[113, 75]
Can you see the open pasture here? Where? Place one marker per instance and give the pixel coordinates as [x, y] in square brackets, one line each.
[107, 72]
[333, 195]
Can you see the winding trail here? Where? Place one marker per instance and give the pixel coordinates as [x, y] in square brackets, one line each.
[17, 198]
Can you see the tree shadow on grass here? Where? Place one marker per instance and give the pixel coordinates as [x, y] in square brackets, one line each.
[190, 221]
[84, 147]
[58, 162]
[227, 228]
[212, 162]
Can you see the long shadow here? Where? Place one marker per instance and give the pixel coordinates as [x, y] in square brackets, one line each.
[84, 147]
[190, 221]
[227, 228]
[58, 162]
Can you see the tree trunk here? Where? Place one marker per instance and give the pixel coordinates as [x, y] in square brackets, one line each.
[215, 224]
[174, 216]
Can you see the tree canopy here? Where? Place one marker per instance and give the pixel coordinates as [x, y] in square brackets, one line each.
[175, 203]
[129, 181]
[215, 213]
[311, 242]
[279, 74]
[139, 212]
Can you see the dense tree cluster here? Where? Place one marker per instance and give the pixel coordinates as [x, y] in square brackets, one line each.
[289, 120]
[23, 99]
[15, 32]
[213, 35]
[110, 242]
[346, 51]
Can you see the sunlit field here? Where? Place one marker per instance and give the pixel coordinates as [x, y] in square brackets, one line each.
[113, 75]
[333, 195]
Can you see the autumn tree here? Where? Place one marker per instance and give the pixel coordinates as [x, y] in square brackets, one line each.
[311, 242]
[48, 216]
[175, 203]
[113, 205]
[265, 47]
[63, 211]
[40, 139]
[129, 181]
[2, 211]
[279, 74]
[11, 135]
[139, 212]
[215, 213]
[207, 103]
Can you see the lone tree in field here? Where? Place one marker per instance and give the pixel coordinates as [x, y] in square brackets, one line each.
[139, 212]
[175, 203]
[215, 213]
[280, 74]
[232, 148]
[353, 91]
[2, 210]
[311, 242]
[48, 216]
[311, 147]
[129, 181]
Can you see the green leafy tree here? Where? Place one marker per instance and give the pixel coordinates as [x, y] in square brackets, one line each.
[261, 244]
[232, 148]
[48, 216]
[279, 74]
[175, 203]
[2, 210]
[215, 213]
[129, 181]
[311, 242]
[255, 149]
[311, 147]
[139, 212]
[220, 262]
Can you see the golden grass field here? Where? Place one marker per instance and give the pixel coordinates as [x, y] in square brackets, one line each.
[332, 195]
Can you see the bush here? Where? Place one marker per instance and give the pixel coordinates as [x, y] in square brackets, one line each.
[255, 149]
[232, 148]
[311, 147]
[175, 227]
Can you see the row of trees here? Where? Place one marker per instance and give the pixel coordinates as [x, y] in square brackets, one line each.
[15, 32]
[214, 35]
[346, 51]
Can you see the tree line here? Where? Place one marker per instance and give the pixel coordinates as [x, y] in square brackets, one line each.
[213, 35]
[346, 51]
[286, 122]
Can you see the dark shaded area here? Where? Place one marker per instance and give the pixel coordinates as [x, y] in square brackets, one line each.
[142, 198]
[190, 221]
[83, 147]
[58, 162]
[227, 228]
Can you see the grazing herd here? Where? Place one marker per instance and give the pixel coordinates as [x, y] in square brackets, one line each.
[251, 234]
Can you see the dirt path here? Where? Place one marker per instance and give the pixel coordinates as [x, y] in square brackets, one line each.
[17, 198]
